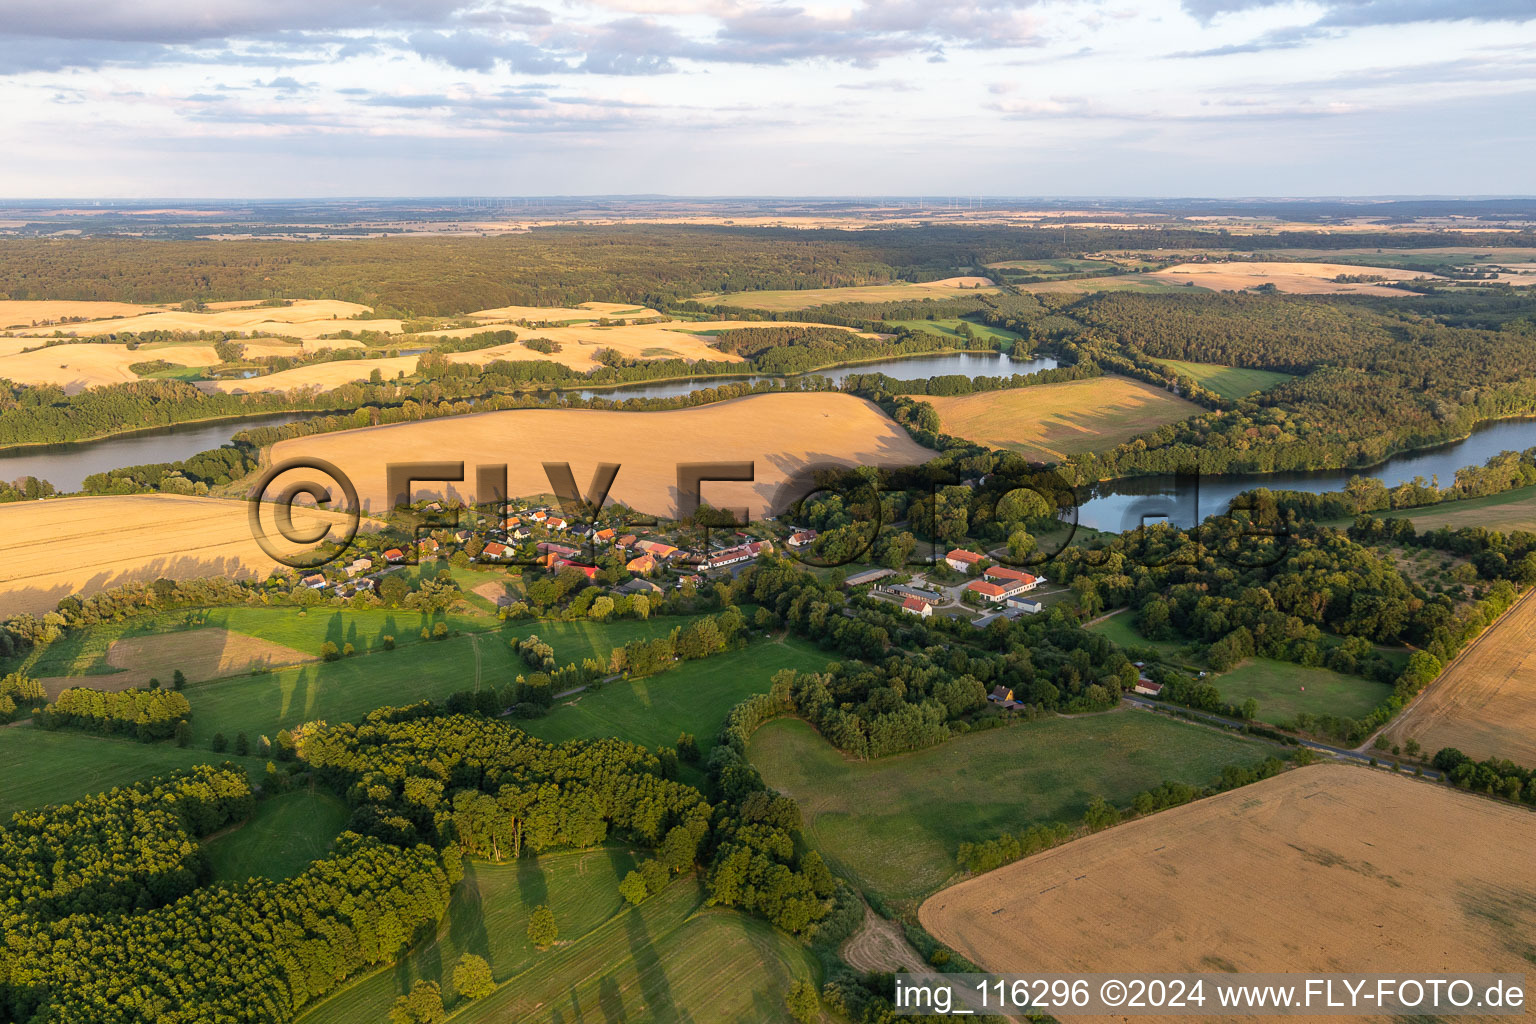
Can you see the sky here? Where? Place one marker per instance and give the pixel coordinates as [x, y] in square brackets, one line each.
[283, 98]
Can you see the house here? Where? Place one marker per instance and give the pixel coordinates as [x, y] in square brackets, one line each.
[427, 545]
[961, 560]
[917, 606]
[695, 579]
[394, 555]
[519, 534]
[539, 516]
[1027, 605]
[1000, 695]
[314, 581]
[1148, 687]
[511, 522]
[802, 538]
[989, 591]
[359, 565]
[660, 550]
[625, 541]
[638, 586]
[606, 536]
[1003, 575]
[859, 579]
[642, 564]
[558, 550]
[739, 553]
[495, 551]
[554, 523]
[364, 584]
[590, 571]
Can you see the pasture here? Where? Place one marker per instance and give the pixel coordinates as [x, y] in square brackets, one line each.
[66, 546]
[346, 690]
[1052, 421]
[1484, 703]
[284, 836]
[896, 291]
[805, 429]
[41, 767]
[664, 960]
[488, 916]
[694, 697]
[1324, 868]
[894, 824]
[1230, 382]
[1284, 690]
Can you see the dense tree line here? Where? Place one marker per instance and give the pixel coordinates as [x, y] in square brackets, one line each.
[1495, 776]
[145, 714]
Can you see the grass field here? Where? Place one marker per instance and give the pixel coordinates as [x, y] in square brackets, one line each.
[1227, 381]
[1318, 869]
[70, 546]
[284, 836]
[662, 961]
[950, 328]
[899, 291]
[41, 767]
[346, 690]
[693, 697]
[1051, 421]
[488, 916]
[779, 433]
[1507, 512]
[1484, 703]
[1121, 628]
[1284, 690]
[894, 824]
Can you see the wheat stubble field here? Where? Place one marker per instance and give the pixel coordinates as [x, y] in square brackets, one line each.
[779, 433]
[1334, 868]
[1050, 421]
[67, 546]
[1484, 703]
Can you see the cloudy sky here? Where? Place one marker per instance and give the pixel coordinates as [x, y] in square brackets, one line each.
[215, 98]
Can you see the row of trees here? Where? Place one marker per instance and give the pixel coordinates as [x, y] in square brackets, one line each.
[145, 714]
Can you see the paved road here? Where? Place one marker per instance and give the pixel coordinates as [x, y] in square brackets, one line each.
[1364, 757]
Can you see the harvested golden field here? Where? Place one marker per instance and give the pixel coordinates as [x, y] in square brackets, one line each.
[308, 345]
[1484, 703]
[559, 314]
[1332, 868]
[77, 367]
[579, 345]
[899, 291]
[28, 313]
[1293, 278]
[305, 318]
[67, 546]
[780, 433]
[323, 376]
[256, 348]
[201, 654]
[1051, 421]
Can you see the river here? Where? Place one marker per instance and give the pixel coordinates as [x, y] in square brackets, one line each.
[67, 465]
[1120, 505]
[968, 364]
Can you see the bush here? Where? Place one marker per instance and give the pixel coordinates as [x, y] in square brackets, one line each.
[541, 927]
[802, 1002]
[633, 889]
[388, 642]
[329, 651]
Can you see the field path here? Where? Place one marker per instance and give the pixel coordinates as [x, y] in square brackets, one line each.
[879, 946]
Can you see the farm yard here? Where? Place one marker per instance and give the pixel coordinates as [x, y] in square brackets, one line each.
[1051, 421]
[1484, 703]
[895, 823]
[808, 429]
[126, 538]
[1326, 868]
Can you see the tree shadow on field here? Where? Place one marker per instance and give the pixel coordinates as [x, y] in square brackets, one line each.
[531, 883]
[660, 1005]
[466, 929]
[333, 629]
[610, 1000]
